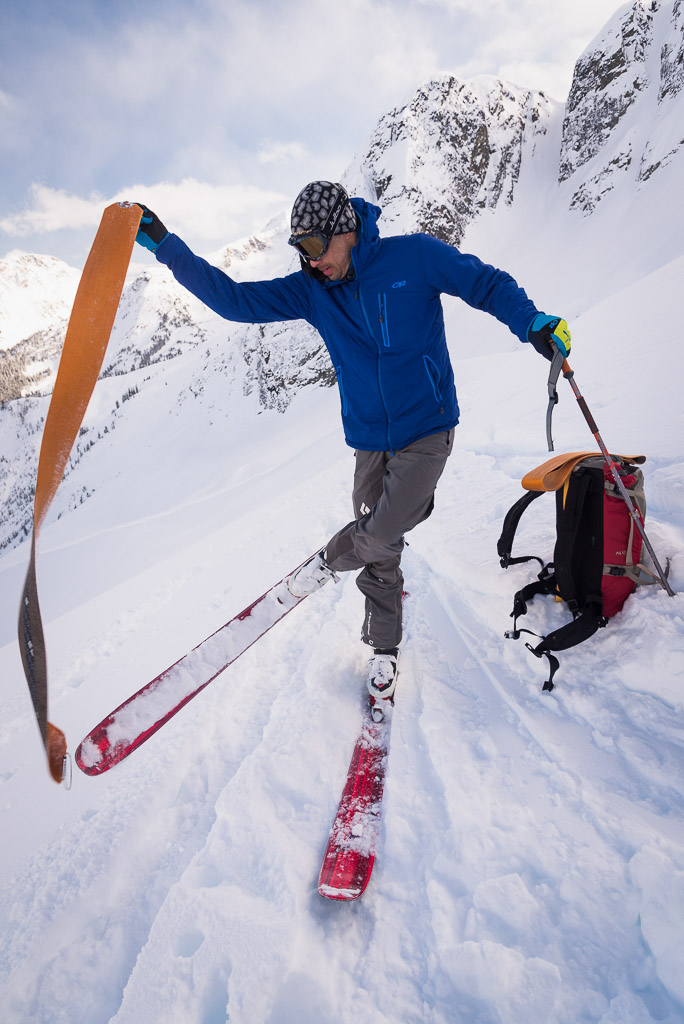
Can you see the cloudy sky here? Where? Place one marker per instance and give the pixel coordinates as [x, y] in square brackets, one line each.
[215, 112]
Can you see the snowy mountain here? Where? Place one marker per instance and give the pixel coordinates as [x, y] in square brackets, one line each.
[621, 117]
[531, 865]
[454, 150]
[36, 294]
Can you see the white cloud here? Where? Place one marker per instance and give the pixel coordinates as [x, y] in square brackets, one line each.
[282, 152]
[211, 213]
[552, 79]
[51, 210]
[265, 96]
[191, 208]
[532, 42]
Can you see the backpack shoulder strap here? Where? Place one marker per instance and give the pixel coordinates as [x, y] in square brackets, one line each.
[570, 635]
[510, 525]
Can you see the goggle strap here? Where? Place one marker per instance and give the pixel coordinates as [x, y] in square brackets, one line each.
[334, 216]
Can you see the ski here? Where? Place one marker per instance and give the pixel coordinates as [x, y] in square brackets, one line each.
[143, 714]
[350, 853]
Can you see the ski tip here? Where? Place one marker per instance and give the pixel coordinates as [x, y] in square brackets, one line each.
[88, 764]
[82, 761]
[331, 892]
[94, 754]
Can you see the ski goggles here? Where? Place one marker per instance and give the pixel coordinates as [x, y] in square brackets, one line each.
[313, 244]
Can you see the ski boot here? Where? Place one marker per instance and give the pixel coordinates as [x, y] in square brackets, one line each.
[382, 681]
[311, 576]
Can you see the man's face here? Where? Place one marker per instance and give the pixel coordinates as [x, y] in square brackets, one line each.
[334, 262]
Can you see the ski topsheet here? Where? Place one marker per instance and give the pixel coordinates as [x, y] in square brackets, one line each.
[350, 853]
[139, 717]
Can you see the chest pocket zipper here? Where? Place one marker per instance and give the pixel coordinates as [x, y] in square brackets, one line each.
[384, 327]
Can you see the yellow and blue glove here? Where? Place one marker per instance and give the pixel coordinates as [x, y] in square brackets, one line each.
[548, 333]
[151, 232]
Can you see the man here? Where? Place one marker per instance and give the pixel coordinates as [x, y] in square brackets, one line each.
[376, 303]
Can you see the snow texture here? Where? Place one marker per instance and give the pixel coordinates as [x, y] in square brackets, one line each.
[530, 859]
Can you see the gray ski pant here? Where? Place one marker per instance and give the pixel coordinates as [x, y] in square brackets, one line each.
[393, 492]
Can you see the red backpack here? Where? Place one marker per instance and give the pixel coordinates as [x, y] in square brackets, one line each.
[596, 560]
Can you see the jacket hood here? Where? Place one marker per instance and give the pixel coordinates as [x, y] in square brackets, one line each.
[369, 215]
[369, 235]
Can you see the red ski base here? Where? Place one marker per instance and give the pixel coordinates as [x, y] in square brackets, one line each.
[350, 853]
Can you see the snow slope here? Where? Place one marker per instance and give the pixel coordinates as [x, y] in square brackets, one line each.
[532, 859]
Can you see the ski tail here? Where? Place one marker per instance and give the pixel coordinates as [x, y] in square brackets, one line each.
[85, 344]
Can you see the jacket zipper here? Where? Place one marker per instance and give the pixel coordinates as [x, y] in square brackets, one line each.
[343, 400]
[433, 376]
[380, 388]
[384, 329]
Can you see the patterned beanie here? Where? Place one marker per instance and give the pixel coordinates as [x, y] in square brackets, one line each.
[316, 208]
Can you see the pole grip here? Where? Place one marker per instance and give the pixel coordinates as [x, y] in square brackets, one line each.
[587, 415]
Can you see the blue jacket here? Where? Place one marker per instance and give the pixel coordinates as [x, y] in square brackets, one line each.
[384, 327]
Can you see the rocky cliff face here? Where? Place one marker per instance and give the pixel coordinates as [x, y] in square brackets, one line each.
[667, 137]
[618, 121]
[36, 293]
[455, 149]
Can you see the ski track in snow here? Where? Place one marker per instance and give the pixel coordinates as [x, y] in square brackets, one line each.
[531, 858]
[527, 840]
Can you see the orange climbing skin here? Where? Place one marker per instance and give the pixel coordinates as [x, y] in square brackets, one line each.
[85, 344]
[554, 473]
[87, 336]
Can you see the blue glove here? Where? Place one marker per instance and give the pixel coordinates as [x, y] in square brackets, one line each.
[151, 232]
[547, 333]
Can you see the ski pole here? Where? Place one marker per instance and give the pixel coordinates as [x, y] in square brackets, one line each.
[569, 374]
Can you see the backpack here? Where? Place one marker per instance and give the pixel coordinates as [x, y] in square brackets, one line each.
[596, 559]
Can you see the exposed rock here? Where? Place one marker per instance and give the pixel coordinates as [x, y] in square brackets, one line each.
[617, 119]
[451, 152]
